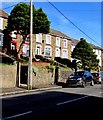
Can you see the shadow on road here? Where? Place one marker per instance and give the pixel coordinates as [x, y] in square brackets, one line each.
[49, 105]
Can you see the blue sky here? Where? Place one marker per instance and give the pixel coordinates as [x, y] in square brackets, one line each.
[85, 15]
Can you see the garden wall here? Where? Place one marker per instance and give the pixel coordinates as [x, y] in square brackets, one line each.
[8, 76]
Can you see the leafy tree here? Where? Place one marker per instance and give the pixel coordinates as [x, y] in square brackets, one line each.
[74, 65]
[40, 22]
[84, 53]
[19, 20]
[6, 42]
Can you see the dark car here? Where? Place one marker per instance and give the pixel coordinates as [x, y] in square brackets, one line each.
[80, 78]
[97, 77]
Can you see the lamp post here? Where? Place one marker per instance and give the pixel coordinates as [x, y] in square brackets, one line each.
[30, 49]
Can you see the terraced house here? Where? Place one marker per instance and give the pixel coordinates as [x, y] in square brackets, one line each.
[3, 24]
[98, 51]
[54, 44]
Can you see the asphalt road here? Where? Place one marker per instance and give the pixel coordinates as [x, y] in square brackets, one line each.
[65, 103]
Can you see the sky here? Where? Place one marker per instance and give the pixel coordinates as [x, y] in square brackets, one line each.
[75, 19]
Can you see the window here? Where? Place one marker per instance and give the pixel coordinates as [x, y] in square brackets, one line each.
[38, 49]
[28, 38]
[1, 39]
[39, 38]
[1, 23]
[14, 34]
[48, 51]
[57, 41]
[48, 39]
[99, 52]
[72, 47]
[64, 53]
[12, 47]
[26, 50]
[57, 54]
[65, 43]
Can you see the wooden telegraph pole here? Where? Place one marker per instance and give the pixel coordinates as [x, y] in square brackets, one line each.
[30, 49]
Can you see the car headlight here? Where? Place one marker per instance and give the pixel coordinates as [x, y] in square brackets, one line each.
[79, 79]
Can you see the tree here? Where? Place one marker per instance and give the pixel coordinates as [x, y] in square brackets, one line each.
[19, 20]
[84, 53]
[40, 22]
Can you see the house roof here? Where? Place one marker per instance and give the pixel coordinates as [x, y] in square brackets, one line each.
[96, 47]
[3, 14]
[59, 34]
[74, 41]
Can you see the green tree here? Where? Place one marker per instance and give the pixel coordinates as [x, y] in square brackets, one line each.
[19, 19]
[84, 53]
[41, 24]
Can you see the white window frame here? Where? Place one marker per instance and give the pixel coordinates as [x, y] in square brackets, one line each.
[39, 37]
[64, 56]
[1, 23]
[13, 47]
[14, 34]
[72, 47]
[40, 52]
[26, 50]
[48, 41]
[50, 51]
[56, 53]
[65, 43]
[58, 41]
[1, 39]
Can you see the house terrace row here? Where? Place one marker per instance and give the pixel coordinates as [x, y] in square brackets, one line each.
[54, 44]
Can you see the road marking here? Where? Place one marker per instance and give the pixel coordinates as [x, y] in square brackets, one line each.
[61, 103]
[14, 116]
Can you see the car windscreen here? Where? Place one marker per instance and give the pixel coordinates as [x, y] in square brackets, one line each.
[80, 73]
[95, 74]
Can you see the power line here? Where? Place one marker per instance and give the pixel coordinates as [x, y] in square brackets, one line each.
[72, 23]
[63, 16]
[13, 5]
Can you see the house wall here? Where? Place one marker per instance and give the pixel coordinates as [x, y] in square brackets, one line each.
[52, 45]
[4, 23]
[98, 52]
[8, 76]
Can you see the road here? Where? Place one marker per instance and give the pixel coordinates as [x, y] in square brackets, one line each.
[65, 103]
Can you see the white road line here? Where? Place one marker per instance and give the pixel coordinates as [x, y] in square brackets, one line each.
[61, 103]
[14, 116]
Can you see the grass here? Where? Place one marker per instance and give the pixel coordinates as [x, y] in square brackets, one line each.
[5, 64]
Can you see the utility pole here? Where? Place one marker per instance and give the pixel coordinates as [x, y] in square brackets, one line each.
[30, 49]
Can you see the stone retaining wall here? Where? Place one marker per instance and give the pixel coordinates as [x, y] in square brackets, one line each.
[8, 76]
[40, 76]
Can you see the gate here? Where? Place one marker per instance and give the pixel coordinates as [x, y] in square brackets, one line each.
[23, 74]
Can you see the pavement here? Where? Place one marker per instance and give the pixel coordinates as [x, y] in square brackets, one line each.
[19, 90]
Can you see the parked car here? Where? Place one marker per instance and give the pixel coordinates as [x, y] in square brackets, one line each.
[80, 78]
[97, 77]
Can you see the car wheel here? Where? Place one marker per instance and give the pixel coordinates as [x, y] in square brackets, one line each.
[92, 83]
